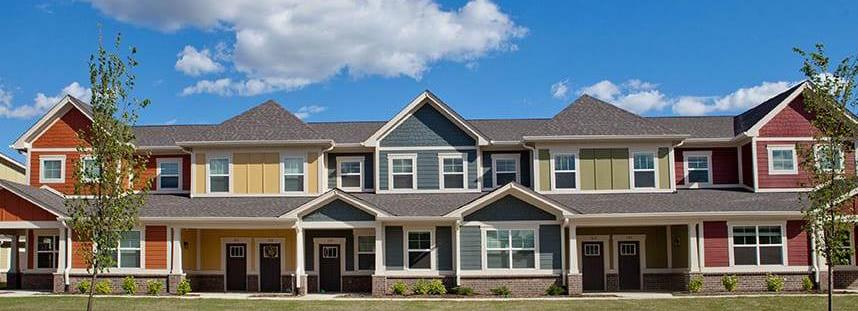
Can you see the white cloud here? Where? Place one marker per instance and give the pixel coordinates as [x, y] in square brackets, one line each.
[311, 41]
[228, 87]
[633, 95]
[194, 63]
[560, 89]
[305, 111]
[41, 103]
[738, 100]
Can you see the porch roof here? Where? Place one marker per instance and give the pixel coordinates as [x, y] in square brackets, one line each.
[181, 205]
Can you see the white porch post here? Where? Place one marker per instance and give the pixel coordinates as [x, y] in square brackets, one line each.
[61, 252]
[693, 256]
[299, 261]
[177, 251]
[573, 249]
[379, 249]
[457, 261]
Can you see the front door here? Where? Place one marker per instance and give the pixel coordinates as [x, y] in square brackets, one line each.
[630, 265]
[236, 267]
[329, 268]
[269, 267]
[593, 264]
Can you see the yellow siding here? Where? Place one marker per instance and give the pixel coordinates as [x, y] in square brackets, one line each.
[189, 249]
[620, 168]
[239, 172]
[663, 168]
[4, 259]
[255, 178]
[312, 173]
[211, 254]
[200, 173]
[256, 173]
[544, 170]
[603, 169]
[11, 174]
[271, 172]
[588, 169]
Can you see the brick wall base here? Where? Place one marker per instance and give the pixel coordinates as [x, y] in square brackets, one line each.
[312, 283]
[753, 282]
[449, 282]
[519, 286]
[845, 279]
[612, 282]
[13, 280]
[59, 283]
[37, 281]
[302, 290]
[287, 284]
[173, 283]
[116, 282]
[665, 282]
[357, 284]
[379, 285]
[252, 283]
[574, 284]
[206, 282]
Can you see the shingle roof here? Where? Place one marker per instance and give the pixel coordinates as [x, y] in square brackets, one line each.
[699, 127]
[509, 129]
[169, 205]
[266, 122]
[346, 132]
[748, 119]
[419, 204]
[42, 197]
[700, 200]
[591, 116]
[166, 135]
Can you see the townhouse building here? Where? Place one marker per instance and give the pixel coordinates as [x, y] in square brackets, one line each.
[594, 198]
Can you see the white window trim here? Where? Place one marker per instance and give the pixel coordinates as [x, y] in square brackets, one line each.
[851, 233]
[554, 171]
[510, 249]
[685, 171]
[505, 156]
[358, 252]
[339, 170]
[816, 149]
[141, 259]
[413, 158]
[791, 148]
[209, 175]
[55, 252]
[433, 266]
[654, 169]
[303, 158]
[783, 244]
[62, 159]
[441, 173]
[158, 174]
[82, 172]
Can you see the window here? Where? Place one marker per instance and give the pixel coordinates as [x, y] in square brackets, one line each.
[827, 159]
[330, 252]
[697, 168]
[505, 168]
[52, 169]
[782, 160]
[402, 172]
[628, 249]
[565, 171]
[592, 249]
[350, 174]
[293, 174]
[644, 169]
[47, 250]
[169, 174]
[128, 253]
[236, 251]
[515, 249]
[452, 171]
[843, 256]
[419, 250]
[219, 174]
[757, 245]
[89, 169]
[366, 252]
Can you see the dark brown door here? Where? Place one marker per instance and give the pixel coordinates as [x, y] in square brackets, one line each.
[236, 267]
[269, 267]
[630, 265]
[593, 266]
[329, 268]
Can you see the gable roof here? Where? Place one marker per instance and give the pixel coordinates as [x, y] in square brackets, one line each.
[353, 132]
[41, 197]
[149, 136]
[518, 191]
[57, 111]
[751, 119]
[699, 126]
[14, 164]
[330, 196]
[267, 122]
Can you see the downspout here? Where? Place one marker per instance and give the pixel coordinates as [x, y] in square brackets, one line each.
[533, 157]
[814, 259]
[67, 268]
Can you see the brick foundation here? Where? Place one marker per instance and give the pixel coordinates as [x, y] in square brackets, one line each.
[665, 282]
[59, 283]
[519, 286]
[612, 282]
[847, 279]
[206, 282]
[173, 283]
[302, 290]
[574, 284]
[37, 281]
[252, 283]
[357, 284]
[116, 282]
[312, 283]
[287, 284]
[753, 282]
[13, 280]
[379, 285]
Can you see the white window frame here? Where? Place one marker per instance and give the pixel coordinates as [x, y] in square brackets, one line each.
[43, 159]
[757, 245]
[340, 174]
[237, 251]
[159, 174]
[441, 172]
[685, 171]
[413, 158]
[82, 172]
[304, 173]
[842, 165]
[654, 169]
[791, 148]
[55, 252]
[358, 252]
[228, 158]
[485, 247]
[597, 251]
[119, 250]
[554, 171]
[505, 156]
[851, 247]
[407, 250]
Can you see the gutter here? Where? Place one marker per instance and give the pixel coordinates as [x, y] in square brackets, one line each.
[256, 142]
[683, 214]
[601, 137]
[417, 218]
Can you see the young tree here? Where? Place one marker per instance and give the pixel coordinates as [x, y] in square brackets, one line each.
[827, 209]
[106, 203]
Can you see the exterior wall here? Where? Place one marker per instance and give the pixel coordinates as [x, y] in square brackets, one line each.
[310, 254]
[753, 282]
[11, 172]
[679, 246]
[470, 248]
[524, 171]
[544, 156]
[747, 165]
[725, 165]
[663, 168]
[199, 180]
[604, 169]
[715, 250]
[792, 121]
[15, 208]
[151, 171]
[798, 244]
[509, 208]
[427, 127]
[78, 244]
[189, 249]
[656, 242]
[394, 259]
[444, 244]
[338, 210]
[394, 253]
[211, 243]
[156, 247]
[368, 169]
[256, 172]
[427, 168]
[548, 252]
[64, 132]
[67, 186]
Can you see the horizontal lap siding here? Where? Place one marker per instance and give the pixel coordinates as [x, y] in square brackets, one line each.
[64, 132]
[747, 165]
[427, 168]
[15, 208]
[66, 187]
[524, 170]
[156, 247]
[427, 127]
[368, 169]
[549, 247]
[79, 249]
[470, 248]
[798, 244]
[801, 179]
[151, 171]
[393, 248]
[444, 244]
[715, 244]
[725, 165]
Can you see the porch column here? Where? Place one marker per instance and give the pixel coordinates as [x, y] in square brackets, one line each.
[13, 278]
[379, 281]
[300, 277]
[573, 279]
[176, 273]
[59, 277]
[693, 256]
[456, 252]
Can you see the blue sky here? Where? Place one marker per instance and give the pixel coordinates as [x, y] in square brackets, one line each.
[364, 62]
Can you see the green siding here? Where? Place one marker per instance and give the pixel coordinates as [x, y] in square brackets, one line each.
[544, 170]
[620, 168]
[603, 169]
[663, 168]
[587, 169]
[679, 246]
[470, 248]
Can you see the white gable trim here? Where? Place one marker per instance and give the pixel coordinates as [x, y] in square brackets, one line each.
[13, 161]
[27, 198]
[755, 130]
[56, 112]
[424, 98]
[516, 190]
[329, 197]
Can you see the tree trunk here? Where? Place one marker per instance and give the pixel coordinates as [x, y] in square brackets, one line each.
[830, 287]
[91, 289]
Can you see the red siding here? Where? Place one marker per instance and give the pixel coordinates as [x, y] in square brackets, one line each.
[78, 247]
[799, 180]
[748, 165]
[798, 244]
[152, 169]
[15, 208]
[64, 132]
[66, 187]
[725, 165]
[792, 121]
[31, 249]
[715, 244]
[156, 247]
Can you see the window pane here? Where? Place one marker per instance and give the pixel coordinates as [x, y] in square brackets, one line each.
[523, 259]
[366, 262]
[220, 183]
[52, 169]
[294, 182]
[219, 166]
[402, 166]
[564, 180]
[454, 181]
[351, 181]
[366, 244]
[522, 239]
[564, 162]
[46, 243]
[698, 176]
[828, 159]
[700, 162]
[504, 178]
[350, 167]
[419, 260]
[745, 255]
[771, 255]
[403, 182]
[644, 161]
[744, 235]
[293, 166]
[169, 168]
[90, 170]
[770, 234]
[169, 182]
[505, 165]
[129, 259]
[454, 165]
[782, 160]
[497, 239]
[497, 259]
[45, 260]
[644, 179]
[130, 239]
[419, 240]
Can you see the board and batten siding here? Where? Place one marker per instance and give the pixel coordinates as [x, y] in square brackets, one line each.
[524, 168]
[256, 172]
[604, 169]
[427, 127]
[368, 169]
[393, 256]
[427, 168]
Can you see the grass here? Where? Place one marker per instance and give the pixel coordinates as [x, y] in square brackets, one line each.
[696, 304]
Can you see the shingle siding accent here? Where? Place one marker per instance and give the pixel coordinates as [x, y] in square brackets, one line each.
[368, 169]
[524, 162]
[309, 252]
[549, 247]
[444, 244]
[393, 248]
[470, 248]
[427, 127]
[338, 210]
[427, 168]
[509, 208]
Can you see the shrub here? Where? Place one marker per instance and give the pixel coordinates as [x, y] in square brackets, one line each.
[554, 290]
[421, 287]
[695, 285]
[84, 286]
[183, 288]
[153, 287]
[400, 288]
[463, 291]
[501, 291]
[730, 282]
[129, 286]
[103, 287]
[436, 287]
[806, 283]
[774, 283]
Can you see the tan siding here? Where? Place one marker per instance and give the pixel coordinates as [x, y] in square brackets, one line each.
[656, 242]
[256, 173]
[239, 172]
[211, 254]
[271, 173]
[679, 246]
[603, 169]
[620, 169]
[312, 172]
[189, 249]
[255, 177]
[588, 169]
[10, 173]
[544, 170]
[200, 173]
[663, 168]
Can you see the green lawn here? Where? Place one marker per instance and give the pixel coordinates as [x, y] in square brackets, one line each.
[693, 304]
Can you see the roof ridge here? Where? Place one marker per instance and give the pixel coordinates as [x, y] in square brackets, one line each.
[677, 117]
[166, 125]
[617, 108]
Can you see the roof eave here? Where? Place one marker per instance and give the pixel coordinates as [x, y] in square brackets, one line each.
[602, 137]
[255, 142]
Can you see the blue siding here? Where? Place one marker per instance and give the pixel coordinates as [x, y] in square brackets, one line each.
[393, 248]
[427, 168]
[444, 243]
[470, 248]
[338, 210]
[368, 169]
[309, 252]
[509, 208]
[525, 162]
[427, 127]
[549, 247]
